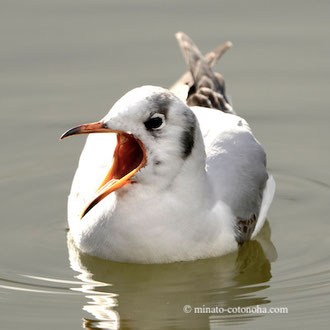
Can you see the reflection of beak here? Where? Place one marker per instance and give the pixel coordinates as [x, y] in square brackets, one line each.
[128, 158]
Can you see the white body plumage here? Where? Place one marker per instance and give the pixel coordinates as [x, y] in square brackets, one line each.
[181, 207]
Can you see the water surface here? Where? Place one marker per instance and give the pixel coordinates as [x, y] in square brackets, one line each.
[64, 63]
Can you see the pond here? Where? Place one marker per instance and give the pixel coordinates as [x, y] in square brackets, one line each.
[64, 63]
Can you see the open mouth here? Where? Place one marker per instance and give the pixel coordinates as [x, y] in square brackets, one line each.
[128, 158]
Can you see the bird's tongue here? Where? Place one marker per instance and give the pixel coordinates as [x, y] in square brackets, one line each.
[128, 158]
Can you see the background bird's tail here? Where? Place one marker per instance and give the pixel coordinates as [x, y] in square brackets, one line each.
[201, 86]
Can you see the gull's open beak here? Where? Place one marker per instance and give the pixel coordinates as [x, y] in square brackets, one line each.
[128, 158]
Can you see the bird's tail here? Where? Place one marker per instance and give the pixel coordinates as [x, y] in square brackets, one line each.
[201, 86]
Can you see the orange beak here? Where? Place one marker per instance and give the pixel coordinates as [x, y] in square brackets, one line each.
[128, 158]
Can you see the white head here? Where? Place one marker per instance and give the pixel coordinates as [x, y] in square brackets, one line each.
[158, 139]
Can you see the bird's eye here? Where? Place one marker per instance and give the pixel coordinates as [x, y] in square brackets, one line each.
[156, 122]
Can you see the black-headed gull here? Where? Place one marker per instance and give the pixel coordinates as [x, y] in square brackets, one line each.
[181, 178]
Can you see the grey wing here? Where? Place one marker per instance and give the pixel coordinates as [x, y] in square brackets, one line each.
[239, 168]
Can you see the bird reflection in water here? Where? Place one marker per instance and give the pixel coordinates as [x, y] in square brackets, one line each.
[153, 296]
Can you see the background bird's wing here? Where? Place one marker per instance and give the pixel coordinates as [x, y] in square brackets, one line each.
[211, 58]
[201, 86]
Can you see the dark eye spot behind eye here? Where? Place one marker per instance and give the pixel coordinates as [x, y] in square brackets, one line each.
[153, 123]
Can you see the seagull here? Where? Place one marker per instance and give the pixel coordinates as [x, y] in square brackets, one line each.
[181, 177]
